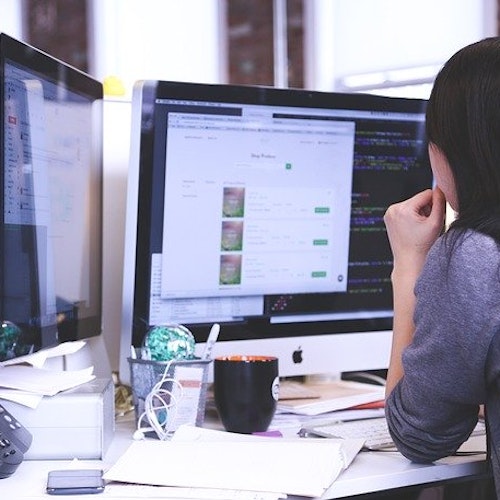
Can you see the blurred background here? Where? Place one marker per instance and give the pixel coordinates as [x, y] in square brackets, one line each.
[389, 46]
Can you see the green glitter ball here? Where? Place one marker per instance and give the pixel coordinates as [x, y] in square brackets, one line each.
[167, 342]
[10, 336]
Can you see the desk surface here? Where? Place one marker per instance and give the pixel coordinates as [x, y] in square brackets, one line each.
[380, 471]
[369, 472]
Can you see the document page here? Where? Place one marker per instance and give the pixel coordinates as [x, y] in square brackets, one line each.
[300, 466]
[337, 395]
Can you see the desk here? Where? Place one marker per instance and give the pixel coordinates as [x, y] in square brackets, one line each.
[381, 471]
[370, 471]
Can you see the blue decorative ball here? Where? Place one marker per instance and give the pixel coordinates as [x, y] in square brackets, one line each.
[169, 342]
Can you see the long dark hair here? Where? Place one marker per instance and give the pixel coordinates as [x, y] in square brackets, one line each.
[463, 121]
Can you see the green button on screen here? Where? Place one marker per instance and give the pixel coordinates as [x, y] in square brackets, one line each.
[318, 274]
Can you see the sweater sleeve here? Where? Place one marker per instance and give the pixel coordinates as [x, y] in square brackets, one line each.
[434, 407]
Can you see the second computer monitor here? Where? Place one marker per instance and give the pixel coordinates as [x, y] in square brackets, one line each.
[50, 202]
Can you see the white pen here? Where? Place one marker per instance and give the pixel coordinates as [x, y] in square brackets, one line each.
[212, 338]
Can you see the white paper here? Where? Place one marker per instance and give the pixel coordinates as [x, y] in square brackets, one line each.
[187, 395]
[41, 381]
[123, 491]
[338, 395]
[283, 420]
[298, 466]
[21, 397]
[38, 358]
[349, 447]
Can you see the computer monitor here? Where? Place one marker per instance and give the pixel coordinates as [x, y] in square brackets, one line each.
[261, 209]
[51, 201]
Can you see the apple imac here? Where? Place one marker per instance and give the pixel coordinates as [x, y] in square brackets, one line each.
[261, 209]
[51, 201]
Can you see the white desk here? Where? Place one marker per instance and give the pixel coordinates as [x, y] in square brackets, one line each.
[370, 471]
[381, 471]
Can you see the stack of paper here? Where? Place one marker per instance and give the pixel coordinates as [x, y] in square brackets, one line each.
[332, 396]
[24, 380]
[202, 458]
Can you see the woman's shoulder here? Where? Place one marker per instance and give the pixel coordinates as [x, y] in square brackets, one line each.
[468, 254]
[467, 244]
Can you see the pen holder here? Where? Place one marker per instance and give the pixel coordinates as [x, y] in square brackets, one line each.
[191, 375]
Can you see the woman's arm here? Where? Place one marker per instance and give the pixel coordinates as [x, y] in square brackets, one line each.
[412, 227]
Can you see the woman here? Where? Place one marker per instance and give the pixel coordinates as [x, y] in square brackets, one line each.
[445, 359]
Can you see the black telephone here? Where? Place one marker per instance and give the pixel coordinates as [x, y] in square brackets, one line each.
[14, 443]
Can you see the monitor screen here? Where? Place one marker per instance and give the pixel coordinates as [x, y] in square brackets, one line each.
[261, 209]
[51, 203]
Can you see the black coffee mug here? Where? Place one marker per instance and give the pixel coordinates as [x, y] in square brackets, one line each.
[246, 392]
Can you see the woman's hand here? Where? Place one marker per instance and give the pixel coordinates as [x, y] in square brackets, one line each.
[413, 226]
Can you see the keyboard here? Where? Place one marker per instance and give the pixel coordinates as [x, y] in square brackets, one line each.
[373, 431]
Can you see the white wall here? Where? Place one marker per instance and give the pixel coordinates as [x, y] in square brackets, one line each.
[157, 39]
[353, 37]
[115, 150]
[10, 17]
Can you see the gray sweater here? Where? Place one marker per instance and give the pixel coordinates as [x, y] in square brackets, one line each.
[453, 364]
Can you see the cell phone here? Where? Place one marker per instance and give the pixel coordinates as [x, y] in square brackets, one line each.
[75, 482]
